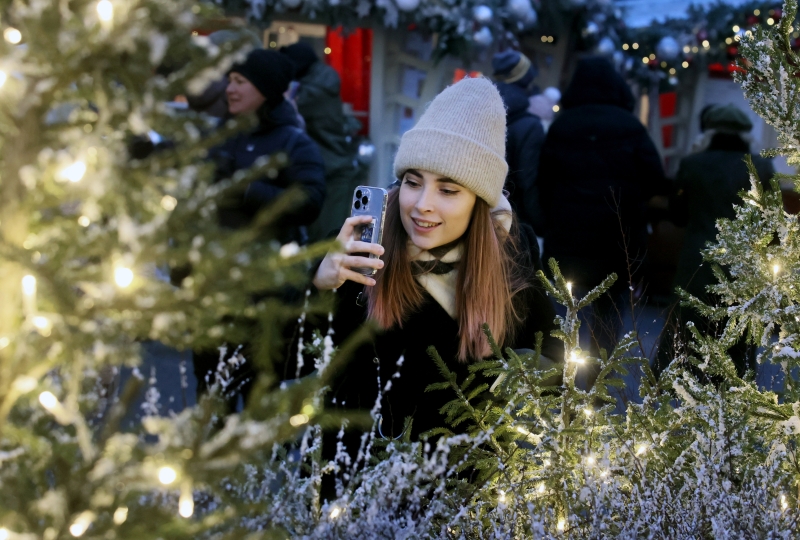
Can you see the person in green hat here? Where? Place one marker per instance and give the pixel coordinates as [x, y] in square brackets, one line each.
[707, 186]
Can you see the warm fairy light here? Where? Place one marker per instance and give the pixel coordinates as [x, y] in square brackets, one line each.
[635, 46]
[645, 60]
[625, 47]
[569, 286]
[604, 474]
[562, 524]
[3, 78]
[546, 462]
[105, 10]
[120, 515]
[706, 43]
[784, 504]
[81, 524]
[167, 475]
[556, 108]
[641, 449]
[735, 28]
[168, 203]
[541, 488]
[590, 460]
[587, 412]
[327, 50]
[501, 498]
[298, 420]
[74, 172]
[48, 400]
[575, 358]
[42, 323]
[29, 285]
[776, 268]
[4, 342]
[84, 221]
[186, 505]
[757, 12]
[335, 512]
[24, 384]
[12, 35]
[770, 21]
[685, 64]
[123, 276]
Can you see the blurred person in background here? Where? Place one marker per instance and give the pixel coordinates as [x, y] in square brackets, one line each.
[706, 189]
[514, 74]
[319, 103]
[597, 171]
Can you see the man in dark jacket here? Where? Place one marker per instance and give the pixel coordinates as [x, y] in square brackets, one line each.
[514, 73]
[707, 188]
[334, 131]
[598, 169]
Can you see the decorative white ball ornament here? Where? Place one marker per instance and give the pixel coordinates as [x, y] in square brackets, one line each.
[668, 48]
[292, 4]
[483, 37]
[482, 14]
[519, 8]
[606, 46]
[407, 5]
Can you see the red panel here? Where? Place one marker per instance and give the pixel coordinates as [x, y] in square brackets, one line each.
[666, 104]
[351, 56]
[667, 133]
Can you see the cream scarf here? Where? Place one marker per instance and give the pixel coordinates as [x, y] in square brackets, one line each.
[440, 279]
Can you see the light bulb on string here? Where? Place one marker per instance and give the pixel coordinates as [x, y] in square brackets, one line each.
[105, 10]
[123, 276]
[569, 287]
[573, 357]
[562, 524]
[28, 294]
[186, 501]
[775, 269]
[12, 35]
[81, 523]
[501, 498]
[335, 512]
[48, 400]
[74, 172]
[167, 475]
[120, 515]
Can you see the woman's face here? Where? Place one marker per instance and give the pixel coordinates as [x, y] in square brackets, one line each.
[434, 210]
[243, 97]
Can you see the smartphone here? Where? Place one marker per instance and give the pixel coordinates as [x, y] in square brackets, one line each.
[369, 201]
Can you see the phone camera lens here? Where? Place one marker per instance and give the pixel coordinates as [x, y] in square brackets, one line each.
[365, 200]
[358, 194]
[357, 205]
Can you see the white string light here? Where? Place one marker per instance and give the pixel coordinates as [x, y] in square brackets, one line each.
[562, 524]
[105, 10]
[167, 475]
[81, 523]
[335, 512]
[641, 449]
[4, 533]
[48, 400]
[12, 35]
[186, 502]
[74, 173]
[575, 358]
[120, 515]
[28, 295]
[123, 276]
[299, 420]
[4, 342]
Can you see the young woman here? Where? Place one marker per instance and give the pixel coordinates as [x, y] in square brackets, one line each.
[453, 259]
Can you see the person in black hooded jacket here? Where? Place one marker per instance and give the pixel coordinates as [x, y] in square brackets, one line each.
[598, 169]
[514, 73]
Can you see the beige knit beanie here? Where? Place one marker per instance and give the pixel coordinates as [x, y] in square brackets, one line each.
[462, 136]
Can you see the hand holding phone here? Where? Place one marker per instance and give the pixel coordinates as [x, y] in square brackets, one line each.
[370, 202]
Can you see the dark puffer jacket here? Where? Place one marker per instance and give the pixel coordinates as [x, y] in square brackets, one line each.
[277, 132]
[525, 136]
[597, 171]
[356, 387]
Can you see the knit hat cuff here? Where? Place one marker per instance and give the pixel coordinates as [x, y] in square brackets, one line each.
[518, 72]
[469, 163]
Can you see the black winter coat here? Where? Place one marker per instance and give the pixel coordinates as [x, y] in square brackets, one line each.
[356, 387]
[708, 184]
[597, 171]
[525, 137]
[277, 132]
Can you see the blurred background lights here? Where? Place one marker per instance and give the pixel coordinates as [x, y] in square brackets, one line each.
[123, 276]
[12, 35]
[167, 475]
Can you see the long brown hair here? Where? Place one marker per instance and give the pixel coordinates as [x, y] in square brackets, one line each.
[489, 276]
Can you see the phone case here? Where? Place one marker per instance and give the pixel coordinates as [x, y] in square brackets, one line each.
[369, 201]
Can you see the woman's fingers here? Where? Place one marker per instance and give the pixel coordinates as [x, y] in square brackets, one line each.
[354, 261]
[346, 273]
[350, 224]
[357, 246]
